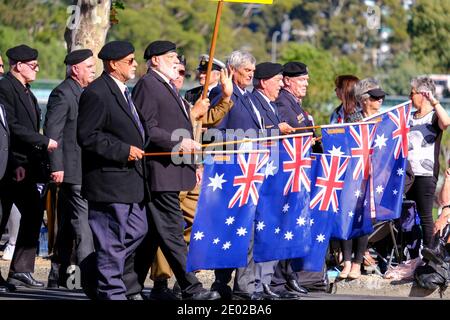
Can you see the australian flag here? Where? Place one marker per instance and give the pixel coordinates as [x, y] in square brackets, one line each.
[389, 160]
[226, 209]
[282, 215]
[327, 182]
[354, 140]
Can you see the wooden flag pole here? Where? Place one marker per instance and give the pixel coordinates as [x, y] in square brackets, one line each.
[198, 126]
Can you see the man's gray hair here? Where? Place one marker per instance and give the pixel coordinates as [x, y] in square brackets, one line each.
[423, 83]
[364, 85]
[238, 58]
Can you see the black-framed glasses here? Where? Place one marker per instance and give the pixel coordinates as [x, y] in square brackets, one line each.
[33, 66]
[129, 61]
[2, 65]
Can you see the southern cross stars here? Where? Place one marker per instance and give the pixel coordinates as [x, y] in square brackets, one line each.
[229, 221]
[260, 225]
[288, 235]
[198, 235]
[286, 208]
[301, 221]
[241, 232]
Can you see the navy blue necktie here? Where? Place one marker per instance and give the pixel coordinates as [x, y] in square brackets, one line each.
[134, 113]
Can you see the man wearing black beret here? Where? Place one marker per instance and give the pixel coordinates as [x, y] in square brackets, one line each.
[267, 83]
[165, 113]
[112, 139]
[65, 165]
[289, 102]
[30, 151]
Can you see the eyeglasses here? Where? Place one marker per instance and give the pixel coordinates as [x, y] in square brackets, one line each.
[32, 66]
[129, 61]
[2, 65]
[412, 93]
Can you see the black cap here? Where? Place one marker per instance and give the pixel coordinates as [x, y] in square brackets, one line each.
[203, 65]
[182, 59]
[115, 50]
[267, 70]
[295, 69]
[77, 56]
[159, 47]
[22, 53]
[376, 93]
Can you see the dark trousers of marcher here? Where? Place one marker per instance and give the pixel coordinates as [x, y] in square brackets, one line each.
[73, 232]
[117, 230]
[422, 192]
[27, 199]
[166, 226]
[357, 245]
[246, 279]
[282, 274]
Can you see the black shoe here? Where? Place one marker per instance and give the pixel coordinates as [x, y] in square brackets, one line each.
[176, 290]
[24, 279]
[289, 295]
[162, 293]
[203, 295]
[293, 285]
[137, 297]
[269, 293]
[5, 286]
[224, 290]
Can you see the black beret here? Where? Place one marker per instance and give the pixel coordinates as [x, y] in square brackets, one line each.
[22, 53]
[295, 69]
[377, 93]
[159, 47]
[78, 56]
[267, 70]
[116, 50]
[203, 65]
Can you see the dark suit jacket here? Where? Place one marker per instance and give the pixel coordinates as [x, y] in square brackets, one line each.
[164, 113]
[23, 116]
[106, 130]
[193, 94]
[241, 116]
[4, 144]
[271, 119]
[61, 125]
[290, 111]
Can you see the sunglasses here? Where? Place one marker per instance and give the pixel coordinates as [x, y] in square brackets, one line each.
[2, 65]
[129, 61]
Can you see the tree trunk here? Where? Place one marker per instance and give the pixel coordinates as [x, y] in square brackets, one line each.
[88, 26]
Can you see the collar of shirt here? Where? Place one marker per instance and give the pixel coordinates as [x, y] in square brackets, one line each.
[211, 87]
[267, 100]
[2, 115]
[121, 86]
[163, 76]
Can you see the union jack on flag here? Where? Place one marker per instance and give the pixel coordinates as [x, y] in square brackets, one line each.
[400, 117]
[363, 136]
[251, 175]
[299, 161]
[329, 182]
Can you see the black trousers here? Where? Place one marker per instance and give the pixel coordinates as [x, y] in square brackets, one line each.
[26, 197]
[358, 245]
[422, 192]
[73, 231]
[282, 274]
[166, 226]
